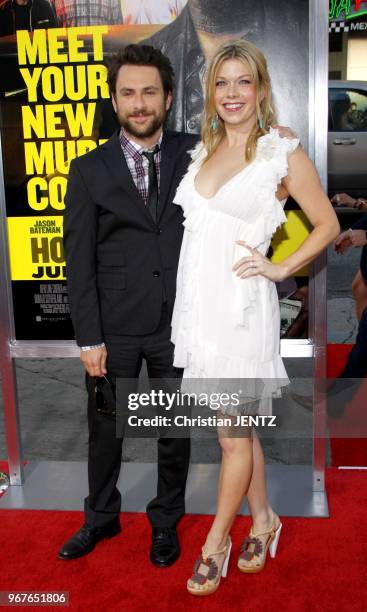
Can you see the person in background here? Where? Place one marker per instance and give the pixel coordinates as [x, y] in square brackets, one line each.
[356, 364]
[354, 237]
[26, 15]
[342, 389]
[341, 112]
[343, 199]
[357, 116]
[72, 13]
[151, 11]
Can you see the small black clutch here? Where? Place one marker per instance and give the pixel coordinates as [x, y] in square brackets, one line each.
[105, 395]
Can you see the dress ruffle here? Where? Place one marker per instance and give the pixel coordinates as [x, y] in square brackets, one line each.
[272, 151]
[251, 381]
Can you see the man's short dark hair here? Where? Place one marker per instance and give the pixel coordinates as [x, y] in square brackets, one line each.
[141, 55]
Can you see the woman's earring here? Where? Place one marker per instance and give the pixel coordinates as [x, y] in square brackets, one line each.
[261, 122]
[214, 123]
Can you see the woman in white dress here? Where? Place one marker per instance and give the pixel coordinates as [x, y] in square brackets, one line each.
[226, 317]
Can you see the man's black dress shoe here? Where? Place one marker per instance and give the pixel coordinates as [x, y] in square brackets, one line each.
[165, 548]
[84, 540]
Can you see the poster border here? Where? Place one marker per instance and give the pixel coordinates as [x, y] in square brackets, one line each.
[315, 346]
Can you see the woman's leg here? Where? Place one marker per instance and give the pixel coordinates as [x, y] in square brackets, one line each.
[235, 476]
[234, 479]
[263, 516]
[257, 495]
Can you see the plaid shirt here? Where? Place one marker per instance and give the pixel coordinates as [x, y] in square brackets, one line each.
[139, 165]
[72, 13]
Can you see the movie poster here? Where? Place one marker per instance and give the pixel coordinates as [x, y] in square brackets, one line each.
[55, 105]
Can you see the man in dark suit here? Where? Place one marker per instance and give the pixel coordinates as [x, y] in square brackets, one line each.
[356, 236]
[122, 238]
[344, 387]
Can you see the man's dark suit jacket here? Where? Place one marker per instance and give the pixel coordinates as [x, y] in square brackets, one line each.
[120, 263]
[362, 224]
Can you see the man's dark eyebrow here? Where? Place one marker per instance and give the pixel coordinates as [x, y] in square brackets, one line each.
[128, 89]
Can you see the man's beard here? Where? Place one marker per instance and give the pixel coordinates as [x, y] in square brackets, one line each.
[144, 131]
[227, 16]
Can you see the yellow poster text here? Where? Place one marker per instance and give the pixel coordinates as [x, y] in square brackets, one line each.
[60, 45]
[35, 247]
[55, 120]
[54, 156]
[73, 82]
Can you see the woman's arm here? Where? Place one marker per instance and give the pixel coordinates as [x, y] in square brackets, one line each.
[303, 184]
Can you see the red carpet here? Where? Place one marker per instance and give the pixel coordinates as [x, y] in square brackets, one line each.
[320, 565]
[350, 451]
[336, 356]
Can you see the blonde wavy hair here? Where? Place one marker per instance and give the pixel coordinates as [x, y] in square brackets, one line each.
[245, 52]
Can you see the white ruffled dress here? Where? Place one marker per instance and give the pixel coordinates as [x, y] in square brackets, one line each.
[225, 327]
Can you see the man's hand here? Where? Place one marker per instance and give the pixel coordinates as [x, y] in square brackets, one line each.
[284, 132]
[94, 361]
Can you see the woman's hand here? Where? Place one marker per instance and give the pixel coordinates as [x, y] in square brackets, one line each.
[358, 237]
[343, 199]
[343, 242]
[256, 264]
[350, 238]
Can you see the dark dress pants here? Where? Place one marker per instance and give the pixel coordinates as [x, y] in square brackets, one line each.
[345, 386]
[124, 359]
[356, 366]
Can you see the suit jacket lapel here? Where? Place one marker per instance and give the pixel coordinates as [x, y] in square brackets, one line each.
[116, 163]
